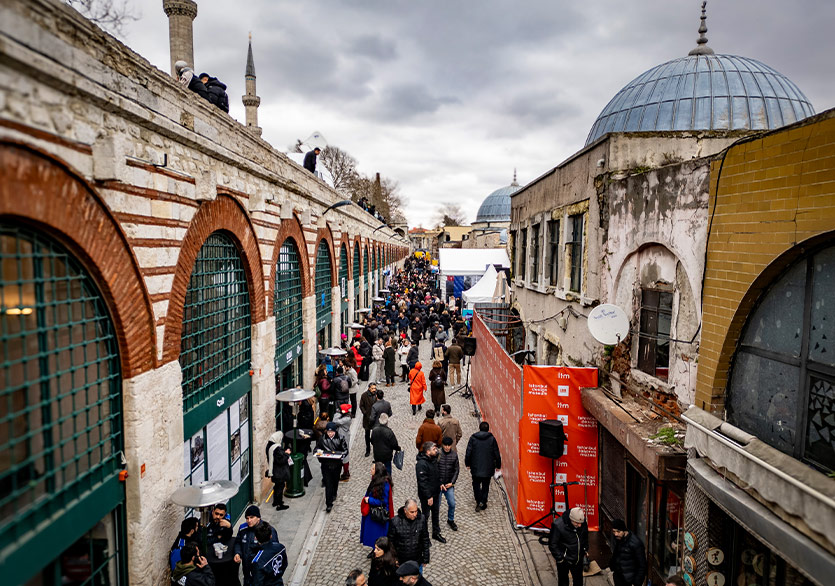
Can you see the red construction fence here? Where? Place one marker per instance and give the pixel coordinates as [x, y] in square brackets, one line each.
[550, 392]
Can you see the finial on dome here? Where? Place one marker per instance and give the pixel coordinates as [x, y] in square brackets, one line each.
[514, 183]
[701, 42]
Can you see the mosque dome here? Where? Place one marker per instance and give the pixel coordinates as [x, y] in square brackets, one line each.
[704, 91]
[496, 206]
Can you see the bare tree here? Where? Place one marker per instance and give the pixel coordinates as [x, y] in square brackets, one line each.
[342, 167]
[450, 214]
[111, 15]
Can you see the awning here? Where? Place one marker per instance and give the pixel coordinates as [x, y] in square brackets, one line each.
[663, 462]
[481, 292]
[801, 552]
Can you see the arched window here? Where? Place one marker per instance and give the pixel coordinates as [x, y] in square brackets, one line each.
[343, 271]
[366, 279]
[357, 278]
[287, 305]
[782, 380]
[215, 344]
[61, 414]
[323, 284]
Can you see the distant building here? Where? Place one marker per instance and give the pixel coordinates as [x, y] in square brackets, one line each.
[493, 219]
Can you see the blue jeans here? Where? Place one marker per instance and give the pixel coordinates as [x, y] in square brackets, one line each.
[449, 494]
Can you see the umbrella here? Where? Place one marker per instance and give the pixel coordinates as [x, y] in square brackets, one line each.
[378, 299]
[365, 310]
[204, 494]
[333, 352]
[355, 326]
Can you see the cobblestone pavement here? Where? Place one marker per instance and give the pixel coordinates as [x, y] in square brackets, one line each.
[484, 550]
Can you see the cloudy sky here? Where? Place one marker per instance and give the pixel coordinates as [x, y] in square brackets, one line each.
[448, 97]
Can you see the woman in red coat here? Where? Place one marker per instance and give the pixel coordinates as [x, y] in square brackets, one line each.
[417, 386]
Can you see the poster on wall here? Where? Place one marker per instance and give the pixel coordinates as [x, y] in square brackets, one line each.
[218, 447]
[553, 392]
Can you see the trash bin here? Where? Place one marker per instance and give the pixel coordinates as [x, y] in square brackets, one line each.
[295, 487]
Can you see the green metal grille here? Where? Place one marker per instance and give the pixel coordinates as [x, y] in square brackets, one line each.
[366, 279]
[215, 345]
[357, 273]
[323, 281]
[60, 420]
[287, 300]
[343, 271]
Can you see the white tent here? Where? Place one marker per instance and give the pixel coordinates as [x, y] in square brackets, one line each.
[481, 292]
[470, 262]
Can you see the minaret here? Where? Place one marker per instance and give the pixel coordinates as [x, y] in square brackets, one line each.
[181, 15]
[250, 100]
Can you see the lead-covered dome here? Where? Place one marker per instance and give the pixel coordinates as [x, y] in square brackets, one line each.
[496, 206]
[704, 91]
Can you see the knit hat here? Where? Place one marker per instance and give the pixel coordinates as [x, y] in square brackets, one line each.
[253, 511]
[331, 426]
[577, 515]
[410, 568]
[618, 525]
[345, 407]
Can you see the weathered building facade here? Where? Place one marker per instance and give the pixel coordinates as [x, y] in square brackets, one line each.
[164, 273]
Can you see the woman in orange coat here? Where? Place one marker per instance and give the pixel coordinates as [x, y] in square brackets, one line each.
[417, 386]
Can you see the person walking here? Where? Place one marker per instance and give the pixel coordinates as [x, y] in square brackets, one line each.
[378, 494]
[448, 468]
[246, 544]
[369, 396]
[389, 362]
[409, 534]
[429, 486]
[483, 460]
[417, 387]
[383, 570]
[403, 353]
[384, 442]
[437, 382]
[413, 356]
[380, 406]
[270, 562]
[342, 419]
[429, 431]
[331, 443]
[278, 468]
[454, 354]
[568, 543]
[629, 559]
[450, 426]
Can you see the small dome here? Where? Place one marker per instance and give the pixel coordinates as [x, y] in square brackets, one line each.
[704, 92]
[496, 206]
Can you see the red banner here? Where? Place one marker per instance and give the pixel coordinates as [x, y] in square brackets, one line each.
[497, 385]
[553, 392]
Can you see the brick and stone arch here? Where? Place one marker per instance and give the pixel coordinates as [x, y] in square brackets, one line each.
[222, 214]
[40, 190]
[291, 228]
[325, 233]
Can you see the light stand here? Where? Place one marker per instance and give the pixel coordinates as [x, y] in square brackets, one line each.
[468, 392]
[551, 487]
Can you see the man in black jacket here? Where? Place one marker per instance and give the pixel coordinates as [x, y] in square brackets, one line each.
[367, 399]
[384, 442]
[629, 561]
[380, 406]
[482, 459]
[246, 544]
[216, 90]
[409, 534]
[269, 563]
[429, 486]
[448, 472]
[310, 159]
[189, 80]
[331, 443]
[192, 569]
[568, 543]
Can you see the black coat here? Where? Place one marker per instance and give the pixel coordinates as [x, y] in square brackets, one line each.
[390, 359]
[629, 559]
[281, 469]
[310, 161]
[566, 543]
[367, 400]
[196, 577]
[482, 457]
[413, 356]
[448, 467]
[198, 87]
[247, 546]
[379, 407]
[217, 93]
[269, 564]
[410, 537]
[428, 477]
[380, 575]
[384, 443]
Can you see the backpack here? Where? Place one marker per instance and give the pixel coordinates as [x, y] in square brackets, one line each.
[174, 555]
[438, 353]
[438, 381]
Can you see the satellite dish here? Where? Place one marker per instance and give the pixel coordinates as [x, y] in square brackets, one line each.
[608, 324]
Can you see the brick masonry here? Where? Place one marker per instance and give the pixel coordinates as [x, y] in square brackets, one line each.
[771, 199]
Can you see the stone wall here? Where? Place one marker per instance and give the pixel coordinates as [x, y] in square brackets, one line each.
[132, 172]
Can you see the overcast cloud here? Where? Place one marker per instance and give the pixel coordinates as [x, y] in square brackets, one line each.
[448, 97]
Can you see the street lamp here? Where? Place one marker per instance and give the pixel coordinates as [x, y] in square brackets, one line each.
[339, 204]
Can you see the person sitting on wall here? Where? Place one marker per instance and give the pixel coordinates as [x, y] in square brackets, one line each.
[216, 90]
[189, 80]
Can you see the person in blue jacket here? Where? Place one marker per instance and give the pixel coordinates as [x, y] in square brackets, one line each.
[379, 493]
[246, 545]
[270, 562]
